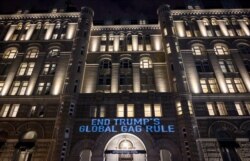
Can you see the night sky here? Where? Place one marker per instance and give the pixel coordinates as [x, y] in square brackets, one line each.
[106, 9]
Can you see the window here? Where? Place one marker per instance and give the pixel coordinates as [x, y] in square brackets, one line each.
[210, 108]
[4, 110]
[105, 64]
[213, 85]
[32, 111]
[247, 104]
[43, 88]
[239, 85]
[126, 63]
[227, 66]
[14, 110]
[239, 108]
[221, 49]
[204, 86]
[230, 86]
[9, 110]
[221, 108]
[125, 110]
[203, 66]
[147, 110]
[198, 50]
[32, 53]
[146, 62]
[26, 68]
[18, 88]
[105, 72]
[49, 69]
[157, 110]
[98, 111]
[10, 53]
[54, 52]
[130, 110]
[120, 110]
[178, 108]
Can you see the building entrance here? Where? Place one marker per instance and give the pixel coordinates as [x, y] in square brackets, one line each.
[125, 147]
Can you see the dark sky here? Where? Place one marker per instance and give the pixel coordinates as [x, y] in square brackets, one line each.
[105, 9]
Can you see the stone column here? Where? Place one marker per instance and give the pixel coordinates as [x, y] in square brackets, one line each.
[90, 79]
[160, 78]
[244, 27]
[49, 31]
[115, 78]
[136, 78]
[30, 32]
[202, 28]
[10, 32]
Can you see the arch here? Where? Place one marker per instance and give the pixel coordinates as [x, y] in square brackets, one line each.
[31, 126]
[10, 53]
[198, 49]
[221, 126]
[146, 62]
[245, 127]
[8, 127]
[221, 49]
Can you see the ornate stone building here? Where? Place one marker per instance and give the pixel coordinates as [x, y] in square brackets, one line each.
[75, 90]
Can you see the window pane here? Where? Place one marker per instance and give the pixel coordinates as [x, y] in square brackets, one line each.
[120, 110]
[130, 110]
[221, 108]
[147, 110]
[210, 108]
[157, 110]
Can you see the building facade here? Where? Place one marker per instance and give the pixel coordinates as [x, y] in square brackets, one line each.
[176, 90]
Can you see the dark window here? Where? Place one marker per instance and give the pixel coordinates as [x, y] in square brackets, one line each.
[203, 66]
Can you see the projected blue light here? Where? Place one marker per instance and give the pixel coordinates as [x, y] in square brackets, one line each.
[134, 125]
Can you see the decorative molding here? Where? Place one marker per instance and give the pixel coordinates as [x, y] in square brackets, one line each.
[125, 27]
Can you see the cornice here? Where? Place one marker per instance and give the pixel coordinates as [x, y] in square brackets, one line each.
[196, 12]
[125, 27]
[40, 16]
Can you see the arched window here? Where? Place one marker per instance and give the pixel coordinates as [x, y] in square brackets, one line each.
[146, 62]
[198, 49]
[54, 52]
[10, 53]
[25, 146]
[244, 49]
[105, 64]
[105, 72]
[125, 145]
[221, 49]
[125, 72]
[32, 53]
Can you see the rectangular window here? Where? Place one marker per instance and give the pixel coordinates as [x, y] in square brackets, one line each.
[204, 86]
[147, 110]
[4, 110]
[213, 85]
[178, 108]
[23, 88]
[102, 111]
[32, 111]
[247, 104]
[239, 85]
[120, 110]
[157, 110]
[14, 110]
[230, 86]
[43, 88]
[15, 88]
[210, 108]
[239, 108]
[49, 69]
[130, 110]
[223, 66]
[221, 108]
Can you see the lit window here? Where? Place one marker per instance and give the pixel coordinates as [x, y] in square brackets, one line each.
[220, 49]
[54, 52]
[102, 111]
[130, 110]
[197, 50]
[210, 108]
[147, 110]
[190, 107]
[204, 86]
[148, 47]
[32, 111]
[43, 88]
[14, 110]
[49, 69]
[165, 31]
[4, 110]
[226, 66]
[157, 110]
[19, 88]
[168, 48]
[221, 108]
[213, 85]
[104, 37]
[239, 85]
[247, 104]
[10, 53]
[146, 62]
[230, 86]
[26, 68]
[102, 48]
[178, 108]
[32, 53]
[120, 110]
[239, 108]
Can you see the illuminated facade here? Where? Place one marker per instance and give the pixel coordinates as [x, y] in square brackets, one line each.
[176, 90]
